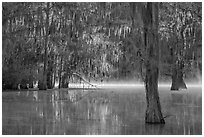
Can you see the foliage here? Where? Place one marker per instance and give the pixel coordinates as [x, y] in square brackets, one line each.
[49, 41]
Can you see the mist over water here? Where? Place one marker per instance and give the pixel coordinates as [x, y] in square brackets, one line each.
[129, 84]
[108, 109]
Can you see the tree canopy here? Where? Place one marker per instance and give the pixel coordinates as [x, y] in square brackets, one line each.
[48, 42]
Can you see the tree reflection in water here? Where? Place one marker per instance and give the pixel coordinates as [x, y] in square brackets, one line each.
[109, 111]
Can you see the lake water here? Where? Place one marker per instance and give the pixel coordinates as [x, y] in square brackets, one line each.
[108, 111]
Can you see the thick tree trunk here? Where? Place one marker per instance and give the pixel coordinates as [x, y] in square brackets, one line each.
[153, 112]
[174, 85]
[178, 65]
[177, 76]
[150, 19]
[177, 70]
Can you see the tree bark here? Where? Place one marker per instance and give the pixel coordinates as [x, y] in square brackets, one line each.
[178, 63]
[150, 22]
[177, 76]
[65, 77]
[43, 84]
[54, 70]
[50, 71]
[60, 73]
[64, 81]
[177, 69]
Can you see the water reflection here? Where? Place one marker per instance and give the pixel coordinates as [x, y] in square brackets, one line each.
[188, 109]
[110, 111]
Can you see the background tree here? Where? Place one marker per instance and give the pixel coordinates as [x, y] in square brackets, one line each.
[177, 32]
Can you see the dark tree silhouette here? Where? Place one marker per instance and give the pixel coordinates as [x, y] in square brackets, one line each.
[149, 15]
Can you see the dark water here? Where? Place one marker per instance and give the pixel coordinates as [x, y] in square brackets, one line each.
[109, 111]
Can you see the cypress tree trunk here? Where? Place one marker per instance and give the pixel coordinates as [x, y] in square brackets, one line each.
[177, 76]
[150, 19]
[174, 85]
[54, 70]
[177, 69]
[60, 73]
[178, 64]
[50, 71]
[43, 83]
[65, 75]
[64, 81]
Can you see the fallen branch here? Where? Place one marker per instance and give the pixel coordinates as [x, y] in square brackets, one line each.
[77, 74]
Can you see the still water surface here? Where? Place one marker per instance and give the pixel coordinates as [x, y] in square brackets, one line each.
[106, 111]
